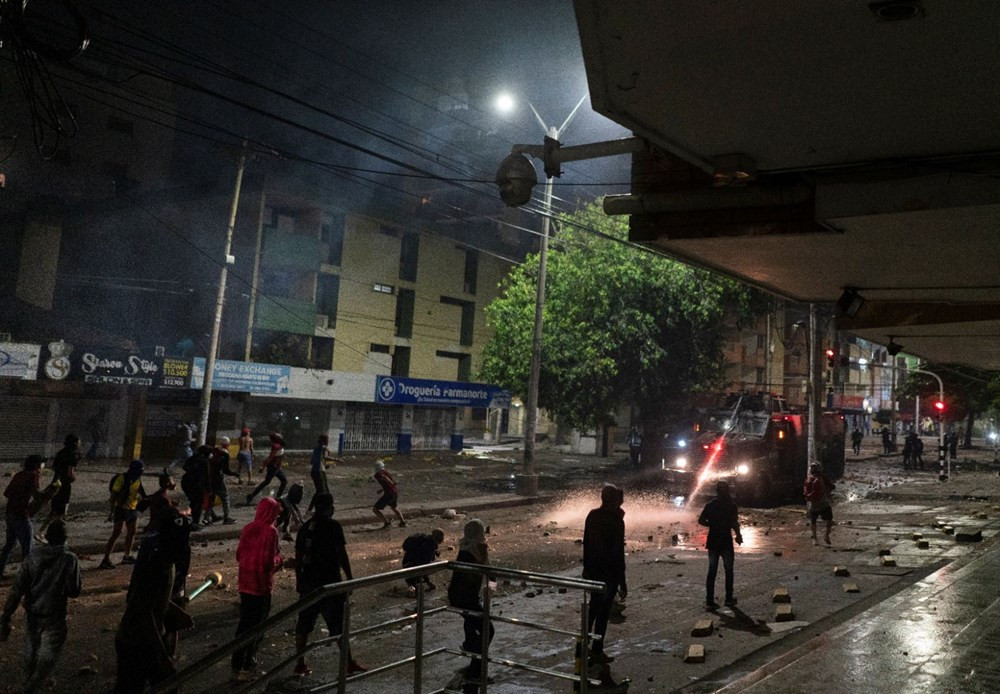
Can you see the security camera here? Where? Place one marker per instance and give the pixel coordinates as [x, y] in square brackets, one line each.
[516, 177]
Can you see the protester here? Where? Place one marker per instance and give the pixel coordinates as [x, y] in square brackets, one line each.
[195, 483]
[126, 491]
[856, 437]
[272, 468]
[290, 519]
[634, 446]
[604, 561]
[816, 490]
[465, 589]
[47, 578]
[390, 496]
[420, 549]
[244, 458]
[21, 492]
[908, 451]
[186, 432]
[721, 518]
[320, 462]
[320, 555]
[159, 502]
[219, 470]
[258, 555]
[64, 472]
[886, 440]
[142, 641]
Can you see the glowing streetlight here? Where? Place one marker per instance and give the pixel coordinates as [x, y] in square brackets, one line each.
[505, 103]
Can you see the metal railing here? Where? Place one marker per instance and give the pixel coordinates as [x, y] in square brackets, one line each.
[582, 638]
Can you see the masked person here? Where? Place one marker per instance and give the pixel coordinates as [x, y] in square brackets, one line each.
[47, 578]
[465, 589]
[604, 561]
[126, 491]
[721, 517]
[258, 555]
[64, 470]
[142, 642]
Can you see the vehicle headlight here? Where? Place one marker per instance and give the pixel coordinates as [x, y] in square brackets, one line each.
[681, 443]
[743, 469]
[681, 463]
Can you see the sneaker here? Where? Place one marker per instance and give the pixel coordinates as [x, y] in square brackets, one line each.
[128, 559]
[730, 602]
[249, 499]
[354, 667]
[711, 605]
[402, 524]
[229, 521]
[301, 670]
[105, 564]
[600, 658]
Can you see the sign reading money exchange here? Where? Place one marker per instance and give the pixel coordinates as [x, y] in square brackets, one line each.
[417, 391]
[243, 376]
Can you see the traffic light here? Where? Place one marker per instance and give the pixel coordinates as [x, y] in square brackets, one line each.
[831, 357]
[939, 409]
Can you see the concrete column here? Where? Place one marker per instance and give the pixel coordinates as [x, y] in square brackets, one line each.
[335, 426]
[458, 432]
[404, 439]
[53, 442]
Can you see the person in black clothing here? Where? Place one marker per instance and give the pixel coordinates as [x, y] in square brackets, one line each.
[721, 518]
[465, 588]
[951, 439]
[64, 471]
[604, 561]
[320, 554]
[856, 437]
[886, 440]
[195, 483]
[420, 549]
[219, 470]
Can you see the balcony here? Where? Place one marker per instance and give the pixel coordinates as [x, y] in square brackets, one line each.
[292, 252]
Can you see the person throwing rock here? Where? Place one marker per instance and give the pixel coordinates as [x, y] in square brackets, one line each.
[390, 496]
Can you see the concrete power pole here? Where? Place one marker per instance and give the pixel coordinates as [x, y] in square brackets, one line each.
[213, 347]
[814, 387]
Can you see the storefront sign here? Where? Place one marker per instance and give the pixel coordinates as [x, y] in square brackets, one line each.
[416, 391]
[62, 361]
[176, 373]
[242, 376]
[19, 360]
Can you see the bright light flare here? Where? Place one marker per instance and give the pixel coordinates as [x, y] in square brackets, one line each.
[681, 443]
[505, 103]
[743, 469]
[681, 463]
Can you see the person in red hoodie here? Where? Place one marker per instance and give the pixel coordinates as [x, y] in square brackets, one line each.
[816, 490]
[259, 556]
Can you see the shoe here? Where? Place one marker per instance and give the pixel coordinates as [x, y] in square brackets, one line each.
[402, 524]
[469, 648]
[105, 564]
[302, 670]
[354, 667]
[711, 605]
[249, 499]
[600, 658]
[730, 602]
[827, 539]
[128, 559]
[228, 521]
[386, 525]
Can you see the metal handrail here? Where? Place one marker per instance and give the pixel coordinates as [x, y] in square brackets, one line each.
[198, 667]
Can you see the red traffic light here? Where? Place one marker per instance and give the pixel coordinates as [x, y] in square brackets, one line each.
[830, 354]
[939, 406]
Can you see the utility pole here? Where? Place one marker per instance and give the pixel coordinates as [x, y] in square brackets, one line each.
[255, 278]
[213, 347]
[813, 387]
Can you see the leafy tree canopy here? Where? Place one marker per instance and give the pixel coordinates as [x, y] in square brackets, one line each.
[621, 325]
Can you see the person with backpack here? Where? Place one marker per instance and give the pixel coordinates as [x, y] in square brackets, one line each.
[272, 468]
[816, 490]
[126, 491]
[22, 492]
[47, 578]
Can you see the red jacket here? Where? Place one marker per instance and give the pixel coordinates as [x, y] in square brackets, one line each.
[259, 553]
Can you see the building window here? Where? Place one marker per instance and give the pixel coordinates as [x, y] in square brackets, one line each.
[761, 342]
[468, 319]
[464, 364]
[404, 313]
[471, 271]
[120, 125]
[332, 236]
[408, 257]
[322, 353]
[401, 361]
[382, 288]
[760, 375]
[379, 349]
[327, 296]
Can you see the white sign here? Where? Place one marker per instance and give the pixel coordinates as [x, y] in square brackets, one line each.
[19, 360]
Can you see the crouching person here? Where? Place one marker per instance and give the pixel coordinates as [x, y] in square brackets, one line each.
[47, 578]
[420, 549]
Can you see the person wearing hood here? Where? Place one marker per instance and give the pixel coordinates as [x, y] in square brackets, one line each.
[271, 467]
[47, 578]
[604, 561]
[258, 555]
[721, 517]
[465, 589]
[126, 491]
[22, 492]
[64, 471]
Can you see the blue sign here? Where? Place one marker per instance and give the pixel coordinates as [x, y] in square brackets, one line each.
[242, 376]
[418, 391]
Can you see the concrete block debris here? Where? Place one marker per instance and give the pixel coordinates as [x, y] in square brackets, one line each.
[948, 530]
[851, 587]
[923, 544]
[703, 627]
[968, 535]
[841, 571]
[781, 595]
[982, 516]
[888, 562]
[884, 552]
[695, 653]
[778, 553]
[783, 613]
[917, 536]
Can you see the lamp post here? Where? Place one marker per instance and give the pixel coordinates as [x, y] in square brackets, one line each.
[527, 482]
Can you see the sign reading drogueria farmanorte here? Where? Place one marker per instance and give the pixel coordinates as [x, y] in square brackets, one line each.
[63, 361]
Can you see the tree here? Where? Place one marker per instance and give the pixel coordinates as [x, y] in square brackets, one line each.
[623, 326]
[968, 393]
